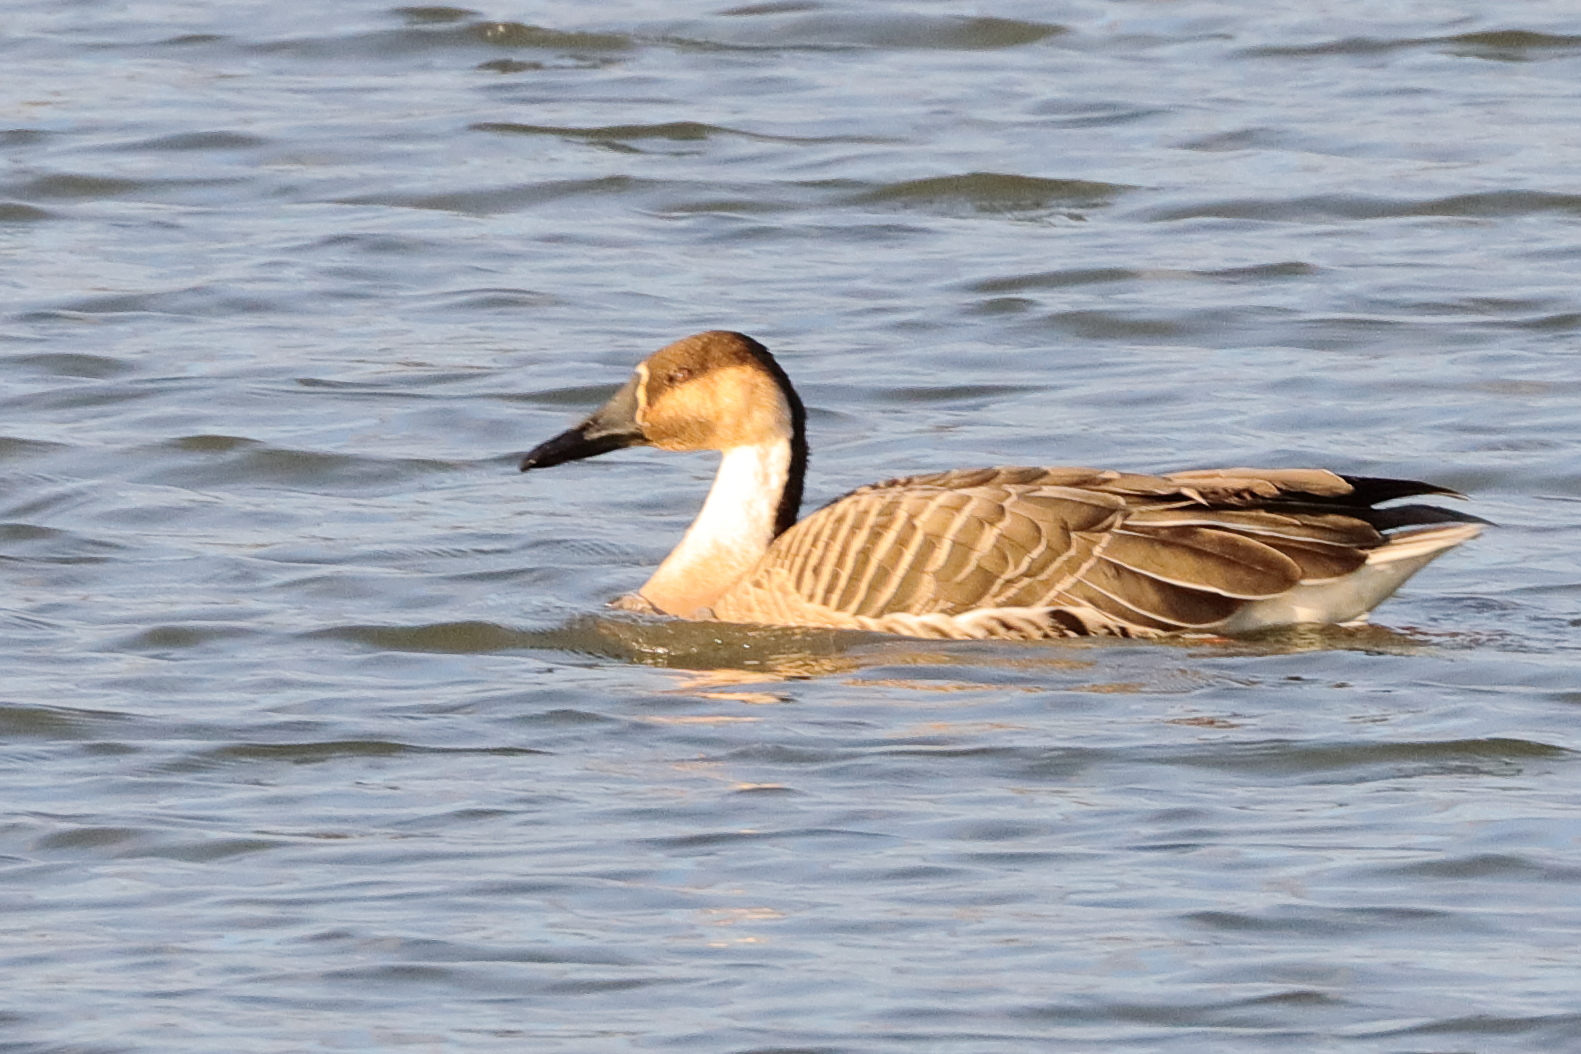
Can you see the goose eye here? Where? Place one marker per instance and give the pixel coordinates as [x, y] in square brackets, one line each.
[679, 375]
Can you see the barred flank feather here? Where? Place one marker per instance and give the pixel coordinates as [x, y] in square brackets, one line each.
[1114, 553]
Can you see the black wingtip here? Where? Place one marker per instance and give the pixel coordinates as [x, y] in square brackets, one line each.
[1371, 490]
[1396, 516]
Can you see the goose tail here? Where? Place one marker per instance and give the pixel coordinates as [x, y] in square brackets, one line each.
[1350, 597]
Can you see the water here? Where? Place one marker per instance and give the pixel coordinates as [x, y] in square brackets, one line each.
[316, 736]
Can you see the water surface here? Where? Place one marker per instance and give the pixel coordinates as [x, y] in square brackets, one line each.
[316, 735]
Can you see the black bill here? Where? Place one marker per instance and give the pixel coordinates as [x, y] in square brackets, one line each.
[610, 427]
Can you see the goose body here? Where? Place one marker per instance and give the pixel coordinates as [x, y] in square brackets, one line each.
[1019, 553]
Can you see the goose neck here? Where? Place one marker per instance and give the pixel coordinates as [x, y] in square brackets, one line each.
[741, 516]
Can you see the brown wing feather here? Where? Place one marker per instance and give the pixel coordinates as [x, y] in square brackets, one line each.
[1156, 552]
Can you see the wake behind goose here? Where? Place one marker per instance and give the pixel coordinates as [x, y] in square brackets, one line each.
[1016, 553]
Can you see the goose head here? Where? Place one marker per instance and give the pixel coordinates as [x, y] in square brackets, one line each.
[711, 391]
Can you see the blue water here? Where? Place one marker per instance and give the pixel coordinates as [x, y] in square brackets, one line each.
[315, 735]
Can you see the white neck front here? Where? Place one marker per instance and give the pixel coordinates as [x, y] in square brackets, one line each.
[730, 534]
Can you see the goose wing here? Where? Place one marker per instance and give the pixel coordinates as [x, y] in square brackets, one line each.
[1140, 553]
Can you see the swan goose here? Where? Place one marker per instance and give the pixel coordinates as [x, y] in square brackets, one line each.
[1019, 553]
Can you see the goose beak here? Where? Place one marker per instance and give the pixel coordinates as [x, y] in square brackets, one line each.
[612, 426]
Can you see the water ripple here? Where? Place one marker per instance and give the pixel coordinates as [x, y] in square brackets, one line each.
[820, 30]
[1498, 203]
[1509, 45]
[316, 735]
[993, 192]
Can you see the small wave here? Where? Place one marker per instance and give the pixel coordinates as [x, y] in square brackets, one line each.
[446, 637]
[973, 193]
[430, 35]
[186, 636]
[1487, 204]
[576, 397]
[206, 301]
[957, 396]
[228, 462]
[313, 753]
[202, 850]
[681, 131]
[70, 364]
[707, 840]
[907, 31]
[674, 131]
[1061, 279]
[317, 752]
[994, 192]
[1508, 45]
[1093, 324]
[433, 950]
[125, 843]
[501, 298]
[58, 186]
[182, 142]
[433, 14]
[485, 201]
[1316, 920]
[1481, 866]
[1080, 276]
[1560, 322]
[521, 35]
[1561, 1029]
[20, 720]
[13, 448]
[24, 136]
[34, 544]
[1368, 761]
[774, 7]
[77, 185]
[16, 212]
[1064, 113]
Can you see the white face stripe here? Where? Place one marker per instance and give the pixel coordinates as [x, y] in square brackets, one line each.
[642, 395]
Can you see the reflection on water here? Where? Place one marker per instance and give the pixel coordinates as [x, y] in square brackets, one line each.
[719, 654]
